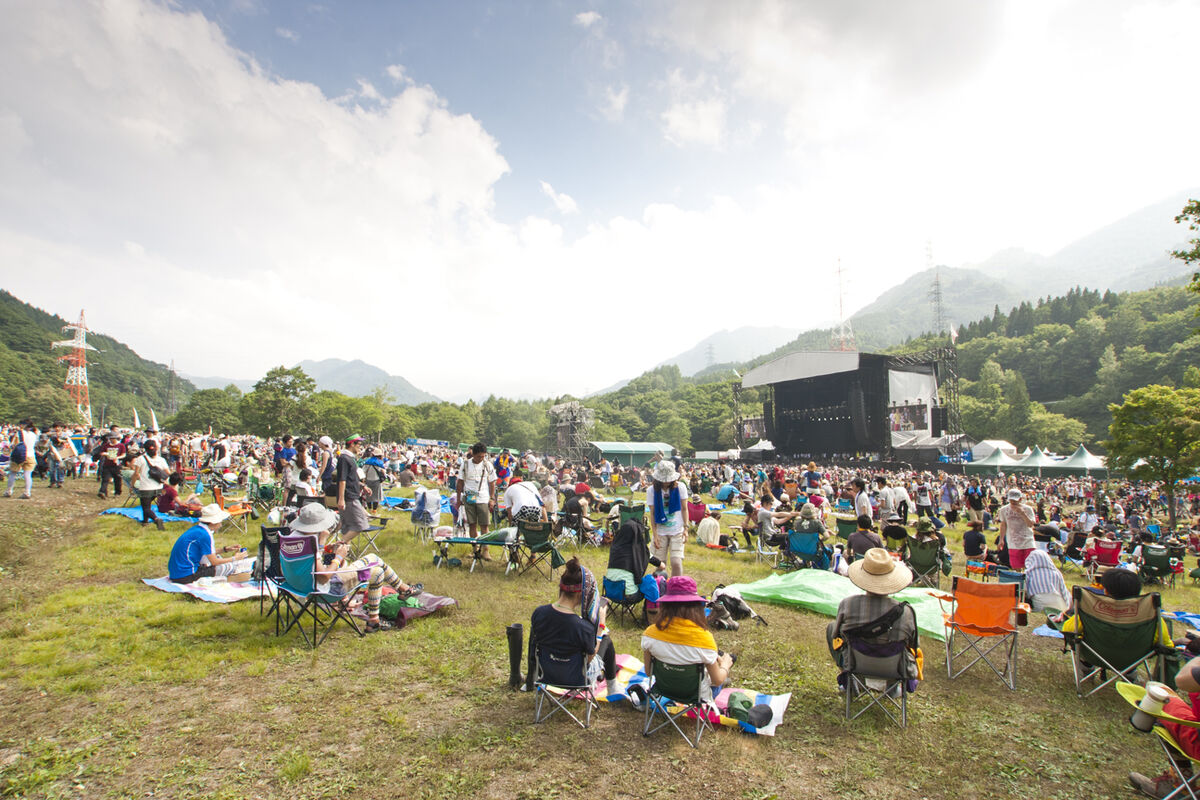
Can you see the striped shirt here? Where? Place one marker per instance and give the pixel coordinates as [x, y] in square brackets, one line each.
[1042, 577]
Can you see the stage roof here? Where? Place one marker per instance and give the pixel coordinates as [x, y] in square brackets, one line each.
[797, 366]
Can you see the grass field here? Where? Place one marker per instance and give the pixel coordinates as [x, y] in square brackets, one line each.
[112, 689]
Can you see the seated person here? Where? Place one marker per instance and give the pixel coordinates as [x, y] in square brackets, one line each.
[895, 535]
[696, 509]
[628, 559]
[572, 629]
[680, 636]
[811, 522]
[302, 486]
[576, 508]
[926, 532]
[768, 519]
[194, 556]
[708, 532]
[1077, 545]
[335, 575]
[975, 542]
[1119, 584]
[169, 503]
[522, 501]
[865, 538]
[1044, 584]
[1187, 680]
[749, 523]
[727, 493]
[1046, 536]
[879, 575]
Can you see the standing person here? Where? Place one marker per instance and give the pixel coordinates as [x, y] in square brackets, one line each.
[924, 500]
[904, 503]
[375, 470]
[326, 464]
[666, 498]
[149, 471]
[111, 452]
[887, 498]
[476, 490]
[1016, 529]
[975, 498]
[862, 500]
[350, 490]
[23, 459]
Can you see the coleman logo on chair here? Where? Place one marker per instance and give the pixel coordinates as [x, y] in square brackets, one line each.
[292, 548]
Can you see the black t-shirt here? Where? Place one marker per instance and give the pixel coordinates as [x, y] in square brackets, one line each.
[862, 541]
[573, 505]
[347, 470]
[564, 640]
[974, 542]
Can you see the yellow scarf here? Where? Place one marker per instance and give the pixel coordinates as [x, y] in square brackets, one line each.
[684, 632]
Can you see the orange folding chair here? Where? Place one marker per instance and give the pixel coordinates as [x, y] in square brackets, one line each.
[983, 624]
[239, 508]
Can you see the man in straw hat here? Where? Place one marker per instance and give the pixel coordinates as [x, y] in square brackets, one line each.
[666, 500]
[194, 554]
[879, 575]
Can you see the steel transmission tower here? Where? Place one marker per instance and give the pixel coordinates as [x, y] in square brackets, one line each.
[843, 336]
[935, 293]
[77, 380]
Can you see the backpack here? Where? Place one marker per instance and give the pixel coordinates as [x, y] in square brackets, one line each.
[19, 452]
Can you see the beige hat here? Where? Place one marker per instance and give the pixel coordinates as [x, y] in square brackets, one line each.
[808, 511]
[878, 573]
[313, 518]
[213, 514]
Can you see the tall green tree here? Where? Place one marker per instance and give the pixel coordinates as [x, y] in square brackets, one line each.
[273, 407]
[46, 406]
[1191, 215]
[1155, 435]
[215, 407]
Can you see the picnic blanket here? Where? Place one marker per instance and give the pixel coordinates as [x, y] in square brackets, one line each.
[1047, 631]
[630, 672]
[821, 591]
[210, 590]
[396, 502]
[135, 513]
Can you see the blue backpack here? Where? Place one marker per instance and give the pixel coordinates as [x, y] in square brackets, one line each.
[19, 453]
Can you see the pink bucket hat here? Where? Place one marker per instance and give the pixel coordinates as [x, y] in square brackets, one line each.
[681, 589]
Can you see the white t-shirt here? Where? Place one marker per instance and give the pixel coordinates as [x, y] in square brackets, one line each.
[862, 504]
[475, 478]
[519, 496]
[887, 502]
[676, 522]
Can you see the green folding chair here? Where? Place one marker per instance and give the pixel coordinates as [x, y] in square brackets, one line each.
[537, 550]
[925, 561]
[1114, 640]
[675, 696]
[1157, 566]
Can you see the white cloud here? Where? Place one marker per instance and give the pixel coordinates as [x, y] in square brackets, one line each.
[615, 100]
[287, 33]
[586, 19]
[563, 202]
[697, 111]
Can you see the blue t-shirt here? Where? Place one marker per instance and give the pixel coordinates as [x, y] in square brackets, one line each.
[725, 493]
[193, 545]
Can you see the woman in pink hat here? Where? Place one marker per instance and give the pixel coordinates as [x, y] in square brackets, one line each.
[680, 635]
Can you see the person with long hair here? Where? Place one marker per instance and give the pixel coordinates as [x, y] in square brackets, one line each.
[680, 635]
[572, 629]
[666, 500]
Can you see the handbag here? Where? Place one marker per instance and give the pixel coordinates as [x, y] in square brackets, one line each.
[156, 474]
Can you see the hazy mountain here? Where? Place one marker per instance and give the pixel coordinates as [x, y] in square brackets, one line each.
[1129, 254]
[357, 378]
[723, 347]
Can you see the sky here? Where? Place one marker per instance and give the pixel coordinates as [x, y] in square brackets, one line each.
[545, 197]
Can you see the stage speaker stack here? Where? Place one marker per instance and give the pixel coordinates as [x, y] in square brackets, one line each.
[858, 415]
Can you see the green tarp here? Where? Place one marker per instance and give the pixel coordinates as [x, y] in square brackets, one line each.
[821, 591]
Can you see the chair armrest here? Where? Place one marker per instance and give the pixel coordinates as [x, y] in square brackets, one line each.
[1132, 693]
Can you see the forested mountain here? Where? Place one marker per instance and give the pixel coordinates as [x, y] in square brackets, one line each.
[357, 379]
[31, 376]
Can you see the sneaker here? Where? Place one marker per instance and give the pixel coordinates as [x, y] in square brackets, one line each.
[1157, 787]
[26, 497]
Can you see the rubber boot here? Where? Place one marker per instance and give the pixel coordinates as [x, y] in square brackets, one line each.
[516, 643]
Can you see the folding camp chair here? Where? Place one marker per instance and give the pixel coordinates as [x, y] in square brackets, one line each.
[675, 694]
[239, 508]
[983, 617]
[1107, 555]
[875, 669]
[805, 551]
[365, 540]
[264, 495]
[845, 526]
[626, 605]
[297, 567]
[1157, 565]
[426, 514]
[536, 548]
[763, 552]
[1132, 693]
[925, 561]
[569, 682]
[1114, 636]
[266, 570]
[1012, 576]
[637, 512]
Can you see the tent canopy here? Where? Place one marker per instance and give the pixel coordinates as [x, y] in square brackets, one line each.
[1036, 461]
[1081, 462]
[762, 444]
[989, 446]
[994, 463]
[632, 453]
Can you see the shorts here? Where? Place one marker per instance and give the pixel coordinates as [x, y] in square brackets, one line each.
[354, 517]
[1016, 556]
[528, 514]
[672, 548]
[477, 514]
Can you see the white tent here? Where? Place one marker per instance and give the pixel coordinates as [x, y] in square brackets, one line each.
[762, 444]
[989, 446]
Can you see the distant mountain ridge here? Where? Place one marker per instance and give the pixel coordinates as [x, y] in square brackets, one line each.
[730, 346]
[357, 378]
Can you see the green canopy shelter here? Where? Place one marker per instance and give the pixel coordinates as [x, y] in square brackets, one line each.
[1035, 462]
[1081, 462]
[995, 463]
[631, 453]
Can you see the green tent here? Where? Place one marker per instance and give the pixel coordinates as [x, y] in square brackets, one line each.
[1081, 462]
[995, 463]
[1034, 463]
[631, 453]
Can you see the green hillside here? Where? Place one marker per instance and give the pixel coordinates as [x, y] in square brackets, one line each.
[31, 376]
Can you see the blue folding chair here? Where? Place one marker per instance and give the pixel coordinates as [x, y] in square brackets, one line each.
[297, 585]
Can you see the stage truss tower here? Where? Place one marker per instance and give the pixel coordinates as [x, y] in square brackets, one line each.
[76, 383]
[572, 424]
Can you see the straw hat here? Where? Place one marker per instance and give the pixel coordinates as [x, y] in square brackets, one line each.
[213, 514]
[878, 573]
